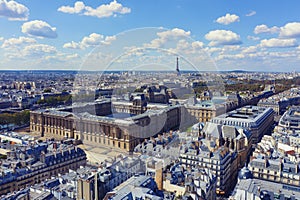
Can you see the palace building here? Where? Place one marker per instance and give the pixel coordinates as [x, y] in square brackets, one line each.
[123, 124]
[101, 123]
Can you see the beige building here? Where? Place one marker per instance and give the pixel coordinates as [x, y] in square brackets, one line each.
[87, 187]
[97, 127]
[221, 162]
[237, 139]
[203, 112]
[276, 171]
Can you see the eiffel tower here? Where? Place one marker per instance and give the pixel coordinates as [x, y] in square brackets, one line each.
[177, 66]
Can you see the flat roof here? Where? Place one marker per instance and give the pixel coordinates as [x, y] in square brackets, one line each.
[246, 113]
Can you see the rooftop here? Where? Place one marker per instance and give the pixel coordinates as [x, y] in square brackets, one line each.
[258, 187]
[254, 115]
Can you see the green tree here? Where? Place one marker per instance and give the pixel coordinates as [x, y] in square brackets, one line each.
[20, 118]
[47, 90]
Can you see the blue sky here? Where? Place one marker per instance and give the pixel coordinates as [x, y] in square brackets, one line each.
[209, 34]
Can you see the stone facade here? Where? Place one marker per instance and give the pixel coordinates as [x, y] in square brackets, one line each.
[221, 162]
[98, 129]
[27, 166]
[256, 119]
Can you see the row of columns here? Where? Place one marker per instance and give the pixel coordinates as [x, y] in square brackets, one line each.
[58, 122]
[121, 109]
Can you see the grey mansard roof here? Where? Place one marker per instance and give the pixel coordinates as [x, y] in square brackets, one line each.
[215, 130]
[259, 187]
[247, 116]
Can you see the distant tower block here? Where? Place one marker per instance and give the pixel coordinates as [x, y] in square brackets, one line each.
[159, 175]
[177, 66]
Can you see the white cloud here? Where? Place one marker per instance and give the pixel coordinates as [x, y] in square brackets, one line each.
[228, 19]
[107, 10]
[197, 44]
[251, 13]
[290, 30]
[230, 56]
[249, 37]
[223, 37]
[38, 49]
[175, 32]
[212, 50]
[72, 56]
[78, 8]
[165, 36]
[72, 45]
[29, 54]
[13, 10]
[287, 55]
[108, 40]
[223, 50]
[278, 43]
[13, 42]
[61, 57]
[39, 28]
[183, 45]
[169, 44]
[250, 49]
[164, 48]
[29, 50]
[265, 29]
[93, 39]
[133, 51]
[102, 11]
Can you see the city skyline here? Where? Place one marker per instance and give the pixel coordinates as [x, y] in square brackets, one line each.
[252, 36]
